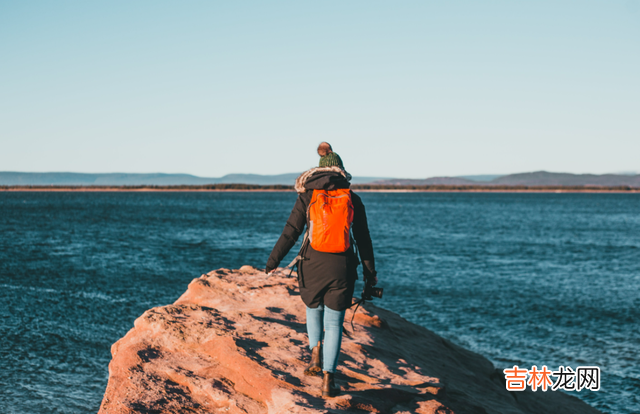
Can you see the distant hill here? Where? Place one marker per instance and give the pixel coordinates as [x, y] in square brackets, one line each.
[549, 178]
[429, 181]
[483, 178]
[68, 178]
[257, 179]
[537, 178]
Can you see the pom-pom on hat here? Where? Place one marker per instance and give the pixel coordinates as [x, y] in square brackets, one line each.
[328, 158]
[324, 148]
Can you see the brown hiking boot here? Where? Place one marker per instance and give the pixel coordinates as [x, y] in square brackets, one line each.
[315, 365]
[329, 388]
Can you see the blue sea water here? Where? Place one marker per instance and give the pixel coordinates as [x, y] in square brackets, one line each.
[544, 279]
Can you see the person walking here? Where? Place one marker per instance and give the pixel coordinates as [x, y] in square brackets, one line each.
[327, 266]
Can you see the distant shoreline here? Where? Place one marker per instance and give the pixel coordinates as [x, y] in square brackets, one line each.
[359, 188]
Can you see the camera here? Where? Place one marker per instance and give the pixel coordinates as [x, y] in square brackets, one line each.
[369, 292]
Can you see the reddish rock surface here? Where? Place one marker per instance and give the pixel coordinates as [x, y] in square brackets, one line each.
[235, 342]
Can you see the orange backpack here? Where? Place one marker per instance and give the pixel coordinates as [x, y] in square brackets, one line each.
[329, 216]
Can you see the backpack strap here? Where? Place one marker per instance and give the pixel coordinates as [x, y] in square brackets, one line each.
[356, 251]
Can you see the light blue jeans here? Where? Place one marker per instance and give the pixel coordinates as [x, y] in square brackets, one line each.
[331, 320]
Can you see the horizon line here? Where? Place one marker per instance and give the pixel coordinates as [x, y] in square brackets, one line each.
[290, 173]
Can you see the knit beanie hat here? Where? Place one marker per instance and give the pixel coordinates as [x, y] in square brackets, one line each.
[330, 160]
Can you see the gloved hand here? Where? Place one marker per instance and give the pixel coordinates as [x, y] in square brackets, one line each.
[268, 269]
[372, 277]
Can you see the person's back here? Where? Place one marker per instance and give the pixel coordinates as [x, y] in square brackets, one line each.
[326, 279]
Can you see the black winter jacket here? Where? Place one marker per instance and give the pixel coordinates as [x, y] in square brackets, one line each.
[325, 278]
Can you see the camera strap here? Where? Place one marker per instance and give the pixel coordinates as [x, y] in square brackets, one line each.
[300, 257]
[358, 303]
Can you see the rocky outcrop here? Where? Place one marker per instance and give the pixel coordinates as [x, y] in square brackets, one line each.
[235, 342]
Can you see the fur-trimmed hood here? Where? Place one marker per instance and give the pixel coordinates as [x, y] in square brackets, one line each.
[302, 180]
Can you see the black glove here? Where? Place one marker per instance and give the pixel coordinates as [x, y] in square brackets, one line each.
[367, 274]
[370, 277]
[268, 269]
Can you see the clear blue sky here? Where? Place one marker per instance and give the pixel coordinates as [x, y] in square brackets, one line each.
[400, 89]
